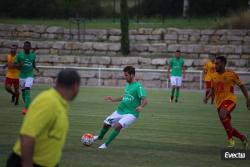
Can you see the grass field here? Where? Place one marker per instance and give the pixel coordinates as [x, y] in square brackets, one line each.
[167, 134]
[109, 24]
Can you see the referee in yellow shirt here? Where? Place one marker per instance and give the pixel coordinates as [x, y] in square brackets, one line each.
[44, 129]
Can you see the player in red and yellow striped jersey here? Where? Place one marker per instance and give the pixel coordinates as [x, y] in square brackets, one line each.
[209, 70]
[223, 82]
[12, 76]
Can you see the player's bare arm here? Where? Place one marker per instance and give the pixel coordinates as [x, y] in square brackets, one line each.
[27, 148]
[244, 91]
[144, 102]
[168, 72]
[184, 71]
[111, 99]
[34, 66]
[18, 65]
[209, 95]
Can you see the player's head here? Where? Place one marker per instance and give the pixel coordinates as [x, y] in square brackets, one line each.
[26, 46]
[68, 83]
[13, 49]
[212, 57]
[178, 54]
[220, 63]
[129, 73]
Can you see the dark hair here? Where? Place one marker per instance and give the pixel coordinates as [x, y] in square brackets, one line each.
[67, 78]
[213, 55]
[13, 46]
[27, 42]
[222, 58]
[130, 70]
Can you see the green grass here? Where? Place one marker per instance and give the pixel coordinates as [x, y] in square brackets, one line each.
[167, 134]
[109, 24]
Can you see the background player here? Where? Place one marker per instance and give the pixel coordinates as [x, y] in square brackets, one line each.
[223, 82]
[209, 70]
[12, 76]
[25, 60]
[176, 65]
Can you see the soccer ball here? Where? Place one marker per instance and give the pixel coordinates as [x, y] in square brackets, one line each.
[87, 139]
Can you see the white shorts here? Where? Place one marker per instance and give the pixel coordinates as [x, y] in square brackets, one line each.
[176, 81]
[125, 120]
[26, 82]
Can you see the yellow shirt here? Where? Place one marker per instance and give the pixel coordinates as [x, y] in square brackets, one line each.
[223, 85]
[12, 72]
[47, 122]
[209, 69]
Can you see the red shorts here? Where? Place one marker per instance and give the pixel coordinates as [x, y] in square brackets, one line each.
[10, 81]
[228, 105]
[208, 84]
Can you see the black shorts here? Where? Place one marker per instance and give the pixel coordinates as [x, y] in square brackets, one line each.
[14, 160]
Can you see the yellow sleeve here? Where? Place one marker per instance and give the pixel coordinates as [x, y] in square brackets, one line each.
[236, 79]
[205, 67]
[40, 115]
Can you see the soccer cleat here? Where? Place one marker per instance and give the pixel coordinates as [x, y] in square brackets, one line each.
[103, 146]
[171, 99]
[24, 111]
[231, 143]
[95, 138]
[176, 100]
[245, 143]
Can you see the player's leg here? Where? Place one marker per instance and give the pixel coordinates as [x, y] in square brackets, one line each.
[7, 85]
[102, 132]
[28, 85]
[124, 122]
[173, 85]
[177, 94]
[178, 85]
[22, 85]
[108, 122]
[224, 113]
[16, 88]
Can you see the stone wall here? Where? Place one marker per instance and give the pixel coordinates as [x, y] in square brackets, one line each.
[150, 49]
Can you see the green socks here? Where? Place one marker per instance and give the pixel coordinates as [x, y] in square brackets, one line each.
[172, 92]
[27, 98]
[102, 133]
[23, 95]
[177, 94]
[112, 136]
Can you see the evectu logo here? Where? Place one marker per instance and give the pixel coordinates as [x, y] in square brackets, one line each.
[231, 154]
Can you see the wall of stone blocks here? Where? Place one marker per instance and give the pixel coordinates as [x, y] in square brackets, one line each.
[149, 49]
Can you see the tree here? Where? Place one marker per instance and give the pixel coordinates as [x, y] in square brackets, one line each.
[124, 27]
[185, 8]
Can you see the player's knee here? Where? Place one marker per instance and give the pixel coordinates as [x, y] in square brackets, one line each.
[118, 127]
[7, 87]
[106, 126]
[27, 88]
[223, 114]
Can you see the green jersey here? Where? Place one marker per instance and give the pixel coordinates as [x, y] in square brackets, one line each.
[176, 66]
[133, 94]
[26, 61]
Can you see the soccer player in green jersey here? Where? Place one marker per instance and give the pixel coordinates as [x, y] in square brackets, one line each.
[25, 61]
[176, 64]
[131, 103]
